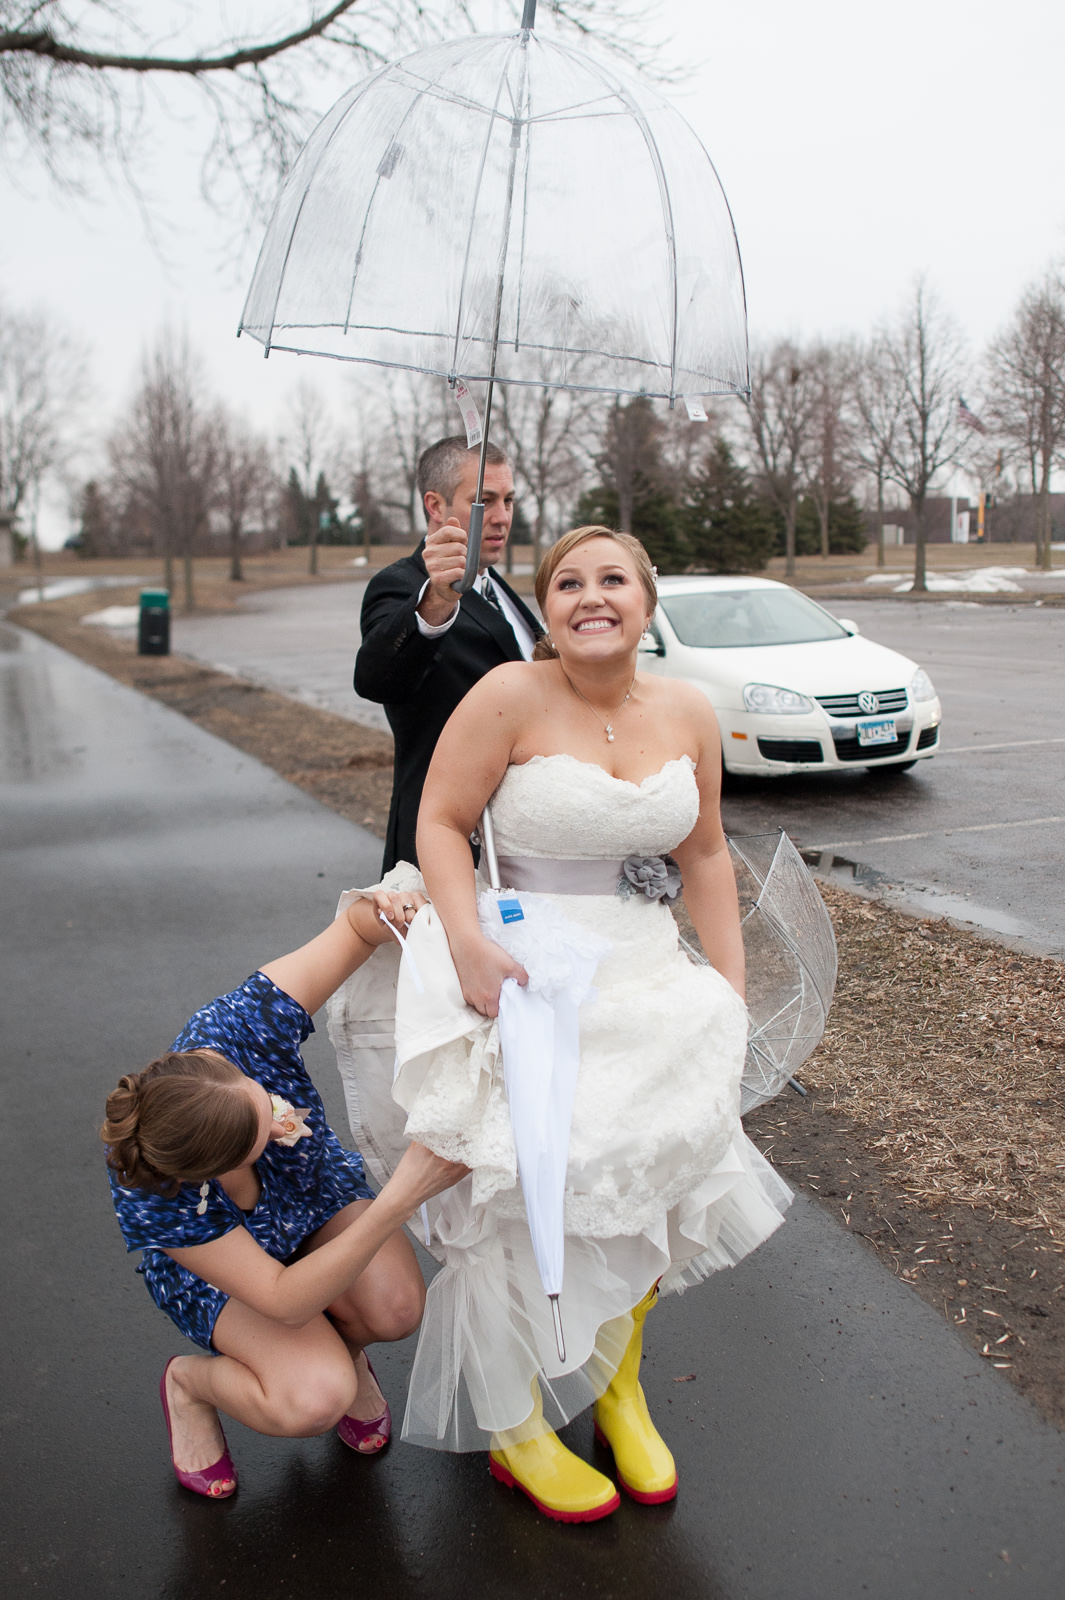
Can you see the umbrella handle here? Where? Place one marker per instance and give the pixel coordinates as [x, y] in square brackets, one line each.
[556, 1314]
[488, 847]
[473, 547]
[476, 524]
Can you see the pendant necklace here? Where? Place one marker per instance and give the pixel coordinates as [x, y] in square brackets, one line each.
[608, 727]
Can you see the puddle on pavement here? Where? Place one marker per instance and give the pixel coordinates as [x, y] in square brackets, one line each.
[911, 896]
[30, 747]
[838, 869]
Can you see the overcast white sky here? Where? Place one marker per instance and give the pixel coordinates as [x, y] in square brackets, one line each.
[857, 145]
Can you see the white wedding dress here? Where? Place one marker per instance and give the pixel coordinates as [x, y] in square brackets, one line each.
[662, 1183]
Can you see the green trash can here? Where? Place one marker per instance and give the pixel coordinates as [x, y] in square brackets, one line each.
[153, 624]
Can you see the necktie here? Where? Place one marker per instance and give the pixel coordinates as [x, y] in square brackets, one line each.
[488, 593]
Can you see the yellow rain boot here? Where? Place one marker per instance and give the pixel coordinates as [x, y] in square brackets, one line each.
[646, 1469]
[557, 1482]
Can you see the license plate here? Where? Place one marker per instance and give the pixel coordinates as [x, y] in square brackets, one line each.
[877, 730]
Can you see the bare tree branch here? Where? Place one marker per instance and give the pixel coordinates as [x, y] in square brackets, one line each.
[42, 383]
[785, 386]
[79, 102]
[1026, 393]
[924, 368]
[45, 43]
[164, 455]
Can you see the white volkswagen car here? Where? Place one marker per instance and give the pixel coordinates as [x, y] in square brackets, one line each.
[794, 689]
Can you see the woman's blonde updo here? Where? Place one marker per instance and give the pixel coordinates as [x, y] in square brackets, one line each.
[185, 1118]
[556, 555]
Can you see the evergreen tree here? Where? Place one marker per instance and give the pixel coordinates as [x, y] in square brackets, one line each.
[636, 492]
[846, 528]
[94, 531]
[324, 511]
[657, 521]
[729, 529]
[376, 527]
[297, 511]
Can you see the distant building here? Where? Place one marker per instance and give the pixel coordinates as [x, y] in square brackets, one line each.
[1006, 521]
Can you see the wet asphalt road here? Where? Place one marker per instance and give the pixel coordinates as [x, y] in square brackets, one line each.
[834, 1438]
[974, 834]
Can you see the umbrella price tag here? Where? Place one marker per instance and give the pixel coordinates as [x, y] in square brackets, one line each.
[470, 415]
[510, 911]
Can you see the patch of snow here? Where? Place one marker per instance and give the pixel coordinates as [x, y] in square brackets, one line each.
[980, 580]
[61, 588]
[114, 617]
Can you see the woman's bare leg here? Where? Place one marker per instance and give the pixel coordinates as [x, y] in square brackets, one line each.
[295, 1382]
[286, 1382]
[384, 1303]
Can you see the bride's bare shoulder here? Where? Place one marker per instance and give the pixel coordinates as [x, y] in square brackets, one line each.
[678, 696]
[512, 685]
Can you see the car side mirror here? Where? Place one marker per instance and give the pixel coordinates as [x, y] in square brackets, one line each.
[851, 627]
[650, 645]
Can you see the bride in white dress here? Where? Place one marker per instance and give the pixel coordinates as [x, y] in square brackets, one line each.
[586, 763]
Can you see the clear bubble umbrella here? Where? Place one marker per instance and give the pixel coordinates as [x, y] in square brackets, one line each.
[504, 208]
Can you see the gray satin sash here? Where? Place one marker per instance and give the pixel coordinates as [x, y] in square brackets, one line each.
[542, 876]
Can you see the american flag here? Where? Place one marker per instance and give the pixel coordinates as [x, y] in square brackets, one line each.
[969, 419]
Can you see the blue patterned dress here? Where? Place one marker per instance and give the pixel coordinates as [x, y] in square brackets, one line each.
[260, 1029]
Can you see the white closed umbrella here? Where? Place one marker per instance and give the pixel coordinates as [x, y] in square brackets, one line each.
[539, 1039]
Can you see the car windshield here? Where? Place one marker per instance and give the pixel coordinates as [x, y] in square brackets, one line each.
[720, 619]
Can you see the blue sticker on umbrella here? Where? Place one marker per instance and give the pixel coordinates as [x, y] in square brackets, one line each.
[510, 911]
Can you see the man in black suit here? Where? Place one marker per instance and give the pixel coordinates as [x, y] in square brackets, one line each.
[423, 645]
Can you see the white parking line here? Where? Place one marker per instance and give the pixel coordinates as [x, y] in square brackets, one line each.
[934, 833]
[978, 749]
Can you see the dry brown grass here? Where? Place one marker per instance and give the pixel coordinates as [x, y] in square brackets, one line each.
[951, 1051]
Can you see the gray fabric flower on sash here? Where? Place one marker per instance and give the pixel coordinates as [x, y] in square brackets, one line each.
[657, 877]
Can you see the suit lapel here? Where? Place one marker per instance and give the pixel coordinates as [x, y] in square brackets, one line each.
[493, 622]
[533, 623]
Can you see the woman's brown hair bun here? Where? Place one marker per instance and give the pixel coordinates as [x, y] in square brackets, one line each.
[185, 1118]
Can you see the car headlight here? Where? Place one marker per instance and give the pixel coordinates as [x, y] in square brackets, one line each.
[766, 697]
[921, 686]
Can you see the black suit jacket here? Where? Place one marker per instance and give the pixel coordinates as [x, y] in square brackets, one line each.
[420, 681]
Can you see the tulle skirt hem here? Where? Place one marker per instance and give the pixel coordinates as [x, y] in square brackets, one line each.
[488, 1337]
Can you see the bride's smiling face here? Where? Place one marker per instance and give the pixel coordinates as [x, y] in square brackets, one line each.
[596, 608]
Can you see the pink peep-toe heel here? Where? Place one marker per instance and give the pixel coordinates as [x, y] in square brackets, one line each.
[357, 1435]
[207, 1481]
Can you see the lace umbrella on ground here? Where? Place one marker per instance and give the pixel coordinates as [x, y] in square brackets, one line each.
[508, 209]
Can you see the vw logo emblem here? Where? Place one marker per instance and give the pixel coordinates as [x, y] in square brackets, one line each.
[867, 701]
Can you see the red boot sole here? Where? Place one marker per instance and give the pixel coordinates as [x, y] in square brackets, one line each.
[653, 1497]
[501, 1475]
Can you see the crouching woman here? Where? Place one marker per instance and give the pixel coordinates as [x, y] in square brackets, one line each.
[260, 1237]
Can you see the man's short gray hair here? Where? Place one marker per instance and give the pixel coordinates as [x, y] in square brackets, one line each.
[440, 468]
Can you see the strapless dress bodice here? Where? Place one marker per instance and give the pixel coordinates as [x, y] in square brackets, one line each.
[560, 808]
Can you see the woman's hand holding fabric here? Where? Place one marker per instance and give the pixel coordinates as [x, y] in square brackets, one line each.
[421, 1174]
[483, 967]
